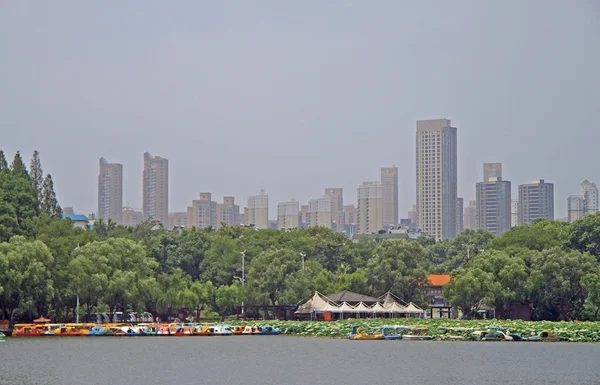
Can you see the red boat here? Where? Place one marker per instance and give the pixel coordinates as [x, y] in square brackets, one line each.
[28, 330]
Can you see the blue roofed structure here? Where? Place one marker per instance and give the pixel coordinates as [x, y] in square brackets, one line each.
[79, 220]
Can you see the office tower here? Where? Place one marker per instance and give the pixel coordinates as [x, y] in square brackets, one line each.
[584, 204]
[370, 207]
[536, 200]
[304, 216]
[575, 207]
[589, 192]
[492, 170]
[155, 199]
[493, 204]
[514, 213]
[245, 216]
[177, 219]
[203, 212]
[437, 177]
[258, 210]
[389, 181]
[350, 215]
[470, 216]
[110, 191]
[321, 212]
[459, 215]
[337, 208]
[131, 217]
[288, 215]
[228, 212]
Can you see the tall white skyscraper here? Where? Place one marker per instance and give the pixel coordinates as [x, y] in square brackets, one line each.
[337, 207]
[536, 200]
[389, 182]
[155, 199]
[288, 214]
[437, 177]
[370, 207]
[110, 191]
[584, 204]
[258, 210]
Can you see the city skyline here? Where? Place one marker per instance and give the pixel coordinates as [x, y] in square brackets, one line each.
[304, 97]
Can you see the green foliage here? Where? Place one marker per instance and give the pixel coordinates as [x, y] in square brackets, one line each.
[49, 203]
[18, 168]
[540, 235]
[37, 174]
[584, 235]
[3, 163]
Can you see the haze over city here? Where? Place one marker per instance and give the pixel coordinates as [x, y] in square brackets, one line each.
[293, 98]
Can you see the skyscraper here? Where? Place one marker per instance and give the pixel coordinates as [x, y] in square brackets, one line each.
[288, 214]
[321, 211]
[470, 216]
[258, 210]
[110, 191]
[492, 170]
[536, 200]
[155, 198]
[514, 212]
[203, 212]
[389, 182]
[337, 207]
[584, 204]
[459, 215]
[437, 177]
[228, 212]
[493, 204]
[370, 207]
[575, 207]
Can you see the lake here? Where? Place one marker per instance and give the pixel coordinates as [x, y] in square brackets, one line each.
[265, 360]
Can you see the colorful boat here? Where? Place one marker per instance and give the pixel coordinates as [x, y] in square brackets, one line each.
[266, 331]
[417, 332]
[71, 330]
[237, 330]
[249, 330]
[151, 329]
[203, 330]
[223, 330]
[545, 336]
[392, 332]
[364, 333]
[105, 331]
[28, 330]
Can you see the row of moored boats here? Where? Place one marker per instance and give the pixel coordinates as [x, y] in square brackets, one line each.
[139, 330]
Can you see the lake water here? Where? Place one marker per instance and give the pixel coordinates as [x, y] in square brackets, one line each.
[266, 360]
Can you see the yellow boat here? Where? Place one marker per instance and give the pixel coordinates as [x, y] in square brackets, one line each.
[359, 334]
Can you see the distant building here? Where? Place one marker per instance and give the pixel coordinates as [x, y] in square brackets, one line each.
[584, 204]
[536, 201]
[68, 211]
[272, 225]
[258, 210]
[177, 219]
[470, 216]
[389, 183]
[514, 212]
[203, 212]
[493, 197]
[437, 187]
[413, 215]
[370, 207]
[155, 199]
[131, 217]
[110, 191]
[321, 211]
[337, 208]
[459, 216]
[396, 234]
[288, 214]
[79, 220]
[228, 212]
[304, 216]
[350, 215]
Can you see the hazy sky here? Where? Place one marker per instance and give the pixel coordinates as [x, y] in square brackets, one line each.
[296, 96]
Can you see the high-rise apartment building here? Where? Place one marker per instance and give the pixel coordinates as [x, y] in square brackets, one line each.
[177, 219]
[321, 211]
[585, 203]
[536, 200]
[228, 212]
[492, 170]
[288, 214]
[470, 216]
[370, 207]
[389, 182]
[337, 207]
[413, 216]
[514, 212]
[131, 217]
[350, 215]
[459, 215]
[258, 210]
[437, 177]
[304, 216]
[110, 191]
[203, 212]
[493, 204]
[155, 199]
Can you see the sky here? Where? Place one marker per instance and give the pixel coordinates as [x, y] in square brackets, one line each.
[294, 97]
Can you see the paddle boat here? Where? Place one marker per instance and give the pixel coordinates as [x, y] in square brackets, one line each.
[416, 332]
[545, 336]
[223, 330]
[237, 330]
[365, 333]
[266, 331]
[133, 331]
[150, 329]
[391, 332]
[203, 330]
[105, 331]
[164, 331]
[28, 330]
[249, 330]
[71, 330]
[455, 334]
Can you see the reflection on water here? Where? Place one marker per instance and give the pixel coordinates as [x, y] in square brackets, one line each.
[289, 360]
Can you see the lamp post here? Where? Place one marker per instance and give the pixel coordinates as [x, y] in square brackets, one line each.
[468, 250]
[242, 279]
[302, 256]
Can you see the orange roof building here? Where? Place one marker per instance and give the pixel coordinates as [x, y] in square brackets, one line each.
[438, 279]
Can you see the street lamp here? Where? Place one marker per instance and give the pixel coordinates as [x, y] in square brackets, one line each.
[468, 250]
[302, 256]
[242, 279]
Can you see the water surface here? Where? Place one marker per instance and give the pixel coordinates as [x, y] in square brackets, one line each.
[266, 360]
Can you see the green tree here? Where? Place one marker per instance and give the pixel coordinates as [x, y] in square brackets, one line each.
[49, 203]
[469, 290]
[18, 167]
[3, 162]
[268, 274]
[591, 286]
[226, 298]
[37, 174]
[400, 267]
[540, 235]
[18, 206]
[584, 235]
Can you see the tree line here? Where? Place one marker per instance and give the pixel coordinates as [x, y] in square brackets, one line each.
[46, 263]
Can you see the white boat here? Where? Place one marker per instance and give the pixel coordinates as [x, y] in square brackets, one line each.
[223, 330]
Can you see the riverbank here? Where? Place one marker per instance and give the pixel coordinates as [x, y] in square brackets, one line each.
[565, 331]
